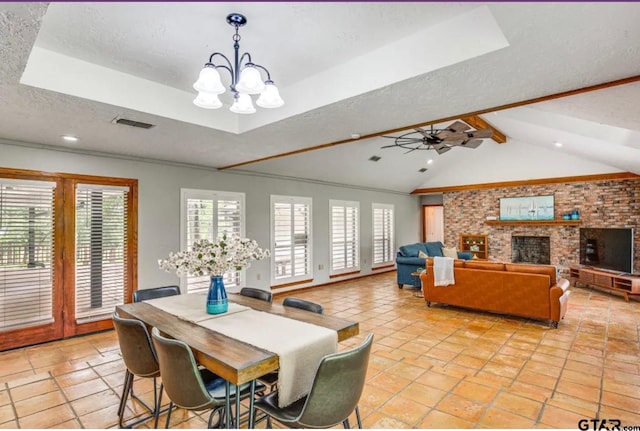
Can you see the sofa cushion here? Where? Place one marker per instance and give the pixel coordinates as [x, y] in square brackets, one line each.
[450, 252]
[528, 268]
[434, 248]
[493, 266]
[466, 255]
[422, 254]
[411, 250]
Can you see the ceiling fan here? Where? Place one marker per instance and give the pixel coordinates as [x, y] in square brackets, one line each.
[441, 140]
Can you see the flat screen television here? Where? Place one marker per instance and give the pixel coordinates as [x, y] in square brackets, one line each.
[607, 248]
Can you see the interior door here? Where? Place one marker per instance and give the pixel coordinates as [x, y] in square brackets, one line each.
[433, 223]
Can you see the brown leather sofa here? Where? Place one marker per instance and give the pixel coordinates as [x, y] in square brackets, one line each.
[509, 288]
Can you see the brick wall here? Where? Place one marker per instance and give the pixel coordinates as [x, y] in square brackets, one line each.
[600, 203]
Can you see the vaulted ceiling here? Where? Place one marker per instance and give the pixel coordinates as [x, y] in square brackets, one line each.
[343, 69]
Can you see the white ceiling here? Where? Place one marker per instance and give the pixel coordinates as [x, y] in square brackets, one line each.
[342, 68]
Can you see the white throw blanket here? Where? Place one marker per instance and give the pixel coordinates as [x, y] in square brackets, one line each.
[443, 271]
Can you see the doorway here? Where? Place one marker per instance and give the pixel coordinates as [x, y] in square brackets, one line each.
[67, 254]
[432, 223]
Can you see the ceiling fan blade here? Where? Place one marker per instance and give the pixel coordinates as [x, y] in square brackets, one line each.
[453, 143]
[481, 134]
[458, 126]
[472, 144]
[389, 146]
[441, 148]
[411, 150]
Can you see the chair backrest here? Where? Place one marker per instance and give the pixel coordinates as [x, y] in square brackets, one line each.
[256, 293]
[135, 346]
[180, 374]
[337, 387]
[303, 304]
[156, 292]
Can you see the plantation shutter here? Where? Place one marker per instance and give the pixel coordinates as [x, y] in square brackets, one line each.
[291, 234]
[383, 234]
[101, 244]
[208, 215]
[345, 238]
[26, 252]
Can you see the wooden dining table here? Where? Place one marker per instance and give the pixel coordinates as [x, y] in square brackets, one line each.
[235, 361]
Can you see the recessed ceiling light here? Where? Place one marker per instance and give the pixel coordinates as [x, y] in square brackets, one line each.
[429, 161]
[355, 136]
[558, 144]
[70, 138]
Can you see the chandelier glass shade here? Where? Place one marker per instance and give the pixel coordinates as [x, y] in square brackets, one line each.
[246, 79]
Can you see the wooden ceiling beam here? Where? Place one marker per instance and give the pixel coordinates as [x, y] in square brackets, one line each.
[533, 182]
[562, 94]
[478, 123]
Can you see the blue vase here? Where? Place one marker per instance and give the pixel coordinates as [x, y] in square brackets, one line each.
[217, 302]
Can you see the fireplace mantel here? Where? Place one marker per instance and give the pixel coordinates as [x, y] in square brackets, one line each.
[533, 222]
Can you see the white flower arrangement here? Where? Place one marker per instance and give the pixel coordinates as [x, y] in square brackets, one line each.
[214, 259]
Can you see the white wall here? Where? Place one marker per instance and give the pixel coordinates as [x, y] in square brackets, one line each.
[159, 206]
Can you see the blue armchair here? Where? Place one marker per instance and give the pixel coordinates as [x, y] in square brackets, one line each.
[407, 260]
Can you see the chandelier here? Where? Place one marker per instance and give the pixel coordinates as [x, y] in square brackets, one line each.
[246, 79]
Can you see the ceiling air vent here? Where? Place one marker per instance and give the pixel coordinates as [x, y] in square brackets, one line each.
[132, 123]
[374, 158]
[422, 170]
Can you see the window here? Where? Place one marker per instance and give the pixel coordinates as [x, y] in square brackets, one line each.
[101, 245]
[291, 239]
[383, 234]
[26, 252]
[345, 236]
[207, 214]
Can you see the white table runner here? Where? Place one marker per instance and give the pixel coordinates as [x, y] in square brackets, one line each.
[299, 345]
[191, 307]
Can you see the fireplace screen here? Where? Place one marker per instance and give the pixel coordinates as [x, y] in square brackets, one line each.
[531, 249]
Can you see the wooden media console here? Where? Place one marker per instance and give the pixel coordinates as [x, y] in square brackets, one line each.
[627, 284]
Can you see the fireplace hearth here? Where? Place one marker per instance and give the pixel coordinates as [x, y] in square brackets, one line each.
[531, 249]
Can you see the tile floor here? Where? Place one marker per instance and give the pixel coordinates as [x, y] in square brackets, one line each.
[437, 367]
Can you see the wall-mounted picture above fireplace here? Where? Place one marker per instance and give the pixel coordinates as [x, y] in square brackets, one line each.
[527, 208]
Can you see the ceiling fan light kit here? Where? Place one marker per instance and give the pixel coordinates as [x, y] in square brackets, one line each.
[440, 140]
[246, 79]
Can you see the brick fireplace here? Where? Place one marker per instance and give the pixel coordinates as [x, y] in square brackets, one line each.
[531, 249]
[601, 202]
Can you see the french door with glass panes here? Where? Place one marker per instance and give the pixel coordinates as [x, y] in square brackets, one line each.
[67, 254]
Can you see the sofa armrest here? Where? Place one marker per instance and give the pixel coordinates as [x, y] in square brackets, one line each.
[563, 284]
[559, 297]
[419, 261]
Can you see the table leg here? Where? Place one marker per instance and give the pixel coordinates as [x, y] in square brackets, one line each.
[251, 408]
[237, 407]
[227, 404]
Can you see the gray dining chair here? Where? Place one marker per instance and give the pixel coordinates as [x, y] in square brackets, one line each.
[334, 394]
[140, 360]
[155, 292]
[256, 293]
[303, 304]
[191, 387]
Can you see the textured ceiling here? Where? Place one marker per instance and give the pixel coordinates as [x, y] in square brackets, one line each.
[517, 51]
